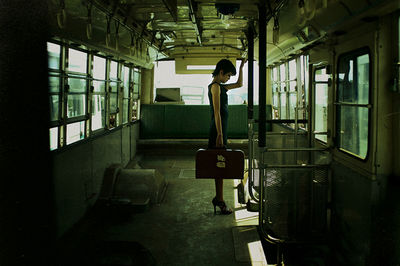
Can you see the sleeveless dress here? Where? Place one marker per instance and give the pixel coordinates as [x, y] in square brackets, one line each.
[224, 116]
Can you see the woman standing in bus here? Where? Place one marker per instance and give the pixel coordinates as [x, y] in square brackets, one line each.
[217, 94]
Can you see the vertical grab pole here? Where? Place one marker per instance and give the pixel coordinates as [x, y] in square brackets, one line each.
[250, 107]
[262, 22]
[262, 57]
[262, 50]
[262, 17]
[250, 66]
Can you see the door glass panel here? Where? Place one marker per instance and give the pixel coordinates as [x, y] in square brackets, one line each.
[321, 110]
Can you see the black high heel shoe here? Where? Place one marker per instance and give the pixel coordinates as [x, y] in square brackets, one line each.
[222, 206]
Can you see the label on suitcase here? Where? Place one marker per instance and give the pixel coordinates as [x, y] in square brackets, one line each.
[219, 163]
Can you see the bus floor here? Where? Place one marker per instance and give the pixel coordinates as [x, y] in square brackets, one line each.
[181, 230]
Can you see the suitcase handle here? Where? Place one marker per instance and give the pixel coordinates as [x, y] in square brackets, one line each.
[219, 148]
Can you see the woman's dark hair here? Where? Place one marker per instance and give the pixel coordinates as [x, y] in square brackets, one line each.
[226, 66]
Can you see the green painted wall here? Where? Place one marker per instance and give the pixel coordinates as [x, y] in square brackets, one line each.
[176, 121]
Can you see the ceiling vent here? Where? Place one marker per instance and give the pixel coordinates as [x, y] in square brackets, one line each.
[227, 9]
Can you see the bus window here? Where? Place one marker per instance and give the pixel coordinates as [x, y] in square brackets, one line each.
[75, 132]
[99, 93]
[53, 138]
[54, 82]
[194, 87]
[54, 52]
[321, 103]
[353, 108]
[77, 61]
[125, 75]
[275, 93]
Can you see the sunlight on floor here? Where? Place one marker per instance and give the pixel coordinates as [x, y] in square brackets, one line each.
[257, 255]
[246, 218]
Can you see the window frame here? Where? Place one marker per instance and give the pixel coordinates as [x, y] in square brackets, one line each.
[354, 54]
[314, 83]
[77, 75]
[99, 93]
[52, 72]
[136, 98]
[130, 92]
[63, 122]
[299, 79]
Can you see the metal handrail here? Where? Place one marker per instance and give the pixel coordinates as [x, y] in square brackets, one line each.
[297, 166]
[250, 158]
[294, 149]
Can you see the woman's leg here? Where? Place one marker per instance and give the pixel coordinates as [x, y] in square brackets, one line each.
[219, 185]
[219, 198]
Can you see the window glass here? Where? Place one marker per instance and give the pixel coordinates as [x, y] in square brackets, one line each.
[165, 77]
[292, 75]
[53, 132]
[98, 112]
[275, 100]
[113, 70]
[54, 84]
[354, 130]
[284, 98]
[125, 84]
[275, 87]
[302, 63]
[321, 109]
[136, 91]
[292, 85]
[191, 95]
[292, 105]
[305, 70]
[76, 105]
[99, 67]
[282, 77]
[77, 61]
[320, 75]
[53, 51]
[125, 113]
[136, 75]
[77, 85]
[75, 132]
[135, 109]
[54, 104]
[114, 86]
[354, 90]
[283, 106]
[113, 102]
[275, 74]
[353, 94]
[99, 86]
[363, 79]
[282, 72]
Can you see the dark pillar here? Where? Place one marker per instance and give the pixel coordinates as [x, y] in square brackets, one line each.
[26, 198]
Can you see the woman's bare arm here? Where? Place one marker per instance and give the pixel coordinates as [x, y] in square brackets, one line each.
[239, 82]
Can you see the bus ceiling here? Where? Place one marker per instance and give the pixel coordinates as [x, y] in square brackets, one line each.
[146, 31]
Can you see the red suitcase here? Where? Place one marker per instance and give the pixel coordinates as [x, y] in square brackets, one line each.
[219, 163]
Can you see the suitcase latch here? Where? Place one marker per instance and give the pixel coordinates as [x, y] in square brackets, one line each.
[220, 161]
